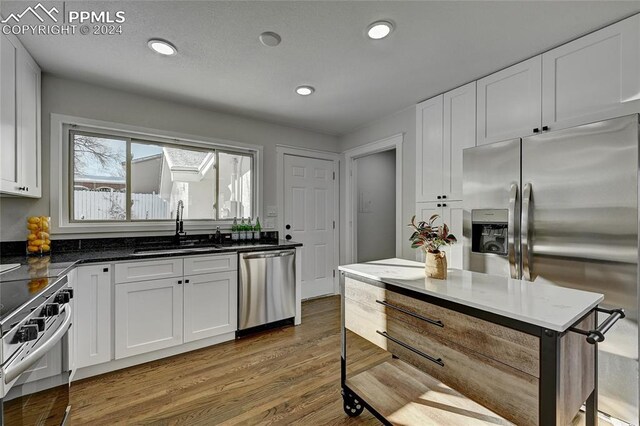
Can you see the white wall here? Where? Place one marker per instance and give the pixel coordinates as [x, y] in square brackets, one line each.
[403, 121]
[90, 101]
[375, 177]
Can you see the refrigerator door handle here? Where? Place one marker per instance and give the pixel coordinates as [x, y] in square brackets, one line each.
[511, 237]
[526, 232]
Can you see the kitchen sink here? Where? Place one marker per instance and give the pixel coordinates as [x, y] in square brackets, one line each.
[174, 250]
[191, 248]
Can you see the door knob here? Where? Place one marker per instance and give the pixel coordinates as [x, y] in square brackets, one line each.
[287, 237]
[288, 226]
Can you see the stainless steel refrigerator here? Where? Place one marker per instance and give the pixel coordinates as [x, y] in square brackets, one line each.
[562, 207]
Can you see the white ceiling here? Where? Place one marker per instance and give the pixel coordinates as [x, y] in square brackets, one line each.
[221, 65]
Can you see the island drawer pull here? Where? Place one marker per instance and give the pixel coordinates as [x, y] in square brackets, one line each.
[597, 335]
[411, 348]
[413, 314]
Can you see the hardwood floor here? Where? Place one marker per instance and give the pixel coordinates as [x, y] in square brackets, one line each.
[285, 376]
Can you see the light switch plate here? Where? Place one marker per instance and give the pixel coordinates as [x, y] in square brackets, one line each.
[272, 211]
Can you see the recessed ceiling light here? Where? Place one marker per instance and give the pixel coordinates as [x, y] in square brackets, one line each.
[270, 39]
[162, 47]
[379, 30]
[305, 90]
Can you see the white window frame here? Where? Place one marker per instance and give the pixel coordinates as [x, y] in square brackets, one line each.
[60, 176]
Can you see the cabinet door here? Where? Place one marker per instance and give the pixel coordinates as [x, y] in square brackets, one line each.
[509, 102]
[459, 133]
[28, 107]
[429, 155]
[92, 326]
[148, 316]
[594, 77]
[452, 215]
[423, 212]
[8, 130]
[210, 305]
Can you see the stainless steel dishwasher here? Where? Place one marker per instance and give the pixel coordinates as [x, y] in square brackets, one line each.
[267, 289]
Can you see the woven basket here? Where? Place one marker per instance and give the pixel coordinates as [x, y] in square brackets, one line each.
[435, 265]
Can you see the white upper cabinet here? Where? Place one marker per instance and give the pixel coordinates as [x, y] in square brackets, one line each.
[509, 103]
[594, 77]
[445, 125]
[429, 155]
[8, 126]
[20, 171]
[459, 133]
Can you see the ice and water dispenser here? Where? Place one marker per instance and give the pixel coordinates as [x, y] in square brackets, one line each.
[489, 231]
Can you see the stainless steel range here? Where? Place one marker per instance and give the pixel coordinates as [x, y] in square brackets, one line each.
[35, 366]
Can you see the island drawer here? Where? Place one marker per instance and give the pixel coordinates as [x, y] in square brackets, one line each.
[377, 305]
[509, 392]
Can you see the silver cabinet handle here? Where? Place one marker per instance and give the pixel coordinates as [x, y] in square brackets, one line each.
[15, 370]
[511, 231]
[411, 348]
[526, 232]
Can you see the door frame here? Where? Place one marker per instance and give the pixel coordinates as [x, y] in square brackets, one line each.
[351, 214]
[281, 151]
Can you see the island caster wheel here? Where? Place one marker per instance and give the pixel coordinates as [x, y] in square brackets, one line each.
[352, 406]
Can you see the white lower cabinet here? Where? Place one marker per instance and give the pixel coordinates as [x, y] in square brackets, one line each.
[148, 316]
[195, 303]
[92, 321]
[210, 305]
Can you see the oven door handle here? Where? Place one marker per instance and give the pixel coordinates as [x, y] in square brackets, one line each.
[14, 371]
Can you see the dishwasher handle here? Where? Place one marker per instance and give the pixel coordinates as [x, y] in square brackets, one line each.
[265, 255]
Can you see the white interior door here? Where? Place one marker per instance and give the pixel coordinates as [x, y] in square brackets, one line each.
[309, 218]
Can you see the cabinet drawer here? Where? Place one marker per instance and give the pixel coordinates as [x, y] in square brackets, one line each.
[207, 264]
[148, 270]
[508, 392]
[516, 349]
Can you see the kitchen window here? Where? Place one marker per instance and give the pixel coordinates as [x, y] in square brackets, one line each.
[123, 179]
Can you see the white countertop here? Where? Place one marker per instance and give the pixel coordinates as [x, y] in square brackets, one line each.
[544, 305]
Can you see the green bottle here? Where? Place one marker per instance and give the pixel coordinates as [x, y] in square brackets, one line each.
[234, 229]
[243, 230]
[257, 229]
[249, 230]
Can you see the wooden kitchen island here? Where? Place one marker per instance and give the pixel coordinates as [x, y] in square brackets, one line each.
[473, 349]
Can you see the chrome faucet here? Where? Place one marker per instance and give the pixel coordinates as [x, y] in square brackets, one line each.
[179, 223]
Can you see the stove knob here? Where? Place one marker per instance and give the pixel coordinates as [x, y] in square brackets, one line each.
[27, 333]
[51, 310]
[39, 321]
[70, 292]
[62, 297]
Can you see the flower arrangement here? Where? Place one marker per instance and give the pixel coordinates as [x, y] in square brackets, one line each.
[430, 237]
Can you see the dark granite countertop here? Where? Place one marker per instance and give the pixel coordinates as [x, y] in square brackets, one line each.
[61, 262]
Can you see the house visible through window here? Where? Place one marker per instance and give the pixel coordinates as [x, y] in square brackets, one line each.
[213, 184]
